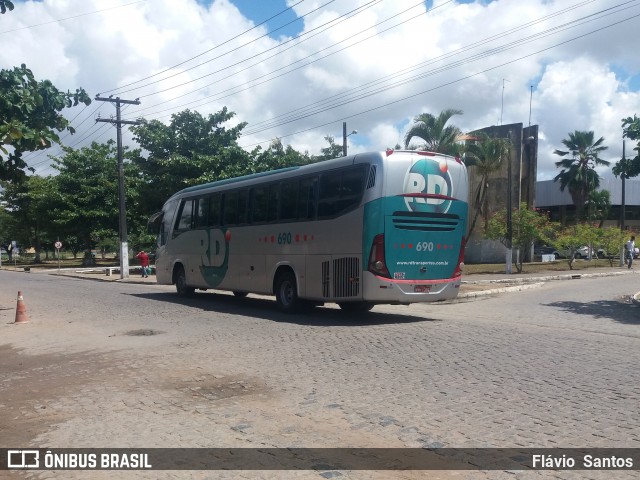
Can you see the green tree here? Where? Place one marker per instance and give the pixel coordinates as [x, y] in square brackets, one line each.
[192, 149]
[332, 151]
[611, 240]
[5, 5]
[578, 172]
[86, 205]
[30, 118]
[28, 203]
[528, 226]
[571, 238]
[598, 206]
[486, 156]
[437, 136]
[629, 167]
[278, 156]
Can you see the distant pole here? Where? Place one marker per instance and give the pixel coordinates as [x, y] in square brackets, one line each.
[509, 214]
[530, 100]
[124, 247]
[623, 176]
[344, 139]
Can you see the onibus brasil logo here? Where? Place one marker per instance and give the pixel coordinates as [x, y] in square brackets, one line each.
[430, 181]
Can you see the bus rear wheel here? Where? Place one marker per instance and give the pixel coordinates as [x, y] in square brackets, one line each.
[356, 306]
[181, 284]
[287, 293]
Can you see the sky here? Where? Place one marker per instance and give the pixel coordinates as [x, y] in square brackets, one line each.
[297, 69]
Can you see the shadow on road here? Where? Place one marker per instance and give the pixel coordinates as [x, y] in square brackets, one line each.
[617, 310]
[267, 309]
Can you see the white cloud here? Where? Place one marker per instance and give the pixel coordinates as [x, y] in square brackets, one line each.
[414, 62]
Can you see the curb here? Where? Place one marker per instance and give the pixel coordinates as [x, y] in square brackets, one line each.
[523, 283]
[493, 291]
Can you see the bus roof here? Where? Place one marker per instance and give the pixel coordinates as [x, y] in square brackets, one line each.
[303, 169]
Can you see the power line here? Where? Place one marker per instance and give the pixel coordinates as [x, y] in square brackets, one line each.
[71, 18]
[252, 84]
[466, 77]
[352, 95]
[214, 48]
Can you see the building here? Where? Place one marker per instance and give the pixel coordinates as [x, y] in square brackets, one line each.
[561, 208]
[514, 182]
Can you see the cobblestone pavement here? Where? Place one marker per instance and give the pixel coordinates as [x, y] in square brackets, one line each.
[216, 371]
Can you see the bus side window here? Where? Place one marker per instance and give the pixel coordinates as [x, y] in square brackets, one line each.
[340, 191]
[289, 201]
[243, 206]
[307, 198]
[185, 217]
[272, 204]
[259, 199]
[214, 210]
[201, 212]
[329, 194]
[231, 208]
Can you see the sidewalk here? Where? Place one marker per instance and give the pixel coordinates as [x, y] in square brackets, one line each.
[488, 284]
[473, 285]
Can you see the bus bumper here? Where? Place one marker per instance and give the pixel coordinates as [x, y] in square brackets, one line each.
[385, 290]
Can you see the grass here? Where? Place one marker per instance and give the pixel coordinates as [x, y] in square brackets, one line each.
[535, 267]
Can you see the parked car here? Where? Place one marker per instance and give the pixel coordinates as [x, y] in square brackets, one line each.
[546, 250]
[582, 252]
[603, 254]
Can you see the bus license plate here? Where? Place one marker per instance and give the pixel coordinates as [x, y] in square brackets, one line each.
[422, 288]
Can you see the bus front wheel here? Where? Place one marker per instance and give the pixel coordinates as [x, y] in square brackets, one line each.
[287, 293]
[181, 284]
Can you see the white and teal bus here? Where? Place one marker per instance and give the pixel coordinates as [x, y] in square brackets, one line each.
[371, 228]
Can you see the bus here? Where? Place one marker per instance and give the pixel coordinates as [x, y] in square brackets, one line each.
[365, 229]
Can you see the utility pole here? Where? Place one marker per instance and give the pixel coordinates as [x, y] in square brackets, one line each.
[344, 138]
[118, 122]
[509, 259]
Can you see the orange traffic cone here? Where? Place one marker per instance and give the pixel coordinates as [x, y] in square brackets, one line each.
[21, 310]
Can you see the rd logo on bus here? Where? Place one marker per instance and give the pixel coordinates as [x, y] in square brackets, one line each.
[430, 180]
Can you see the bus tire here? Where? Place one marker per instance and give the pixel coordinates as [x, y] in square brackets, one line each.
[182, 288]
[356, 306]
[239, 294]
[287, 293]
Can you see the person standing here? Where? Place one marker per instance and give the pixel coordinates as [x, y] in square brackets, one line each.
[630, 249]
[144, 262]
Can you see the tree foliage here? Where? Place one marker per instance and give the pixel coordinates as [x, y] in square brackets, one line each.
[571, 238]
[578, 172]
[436, 134]
[486, 155]
[30, 118]
[5, 5]
[528, 226]
[629, 167]
[28, 206]
[192, 149]
[86, 202]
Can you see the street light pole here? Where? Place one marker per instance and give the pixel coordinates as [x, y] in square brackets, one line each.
[509, 259]
[344, 138]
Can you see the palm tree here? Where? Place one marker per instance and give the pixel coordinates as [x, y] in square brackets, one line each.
[486, 155]
[436, 135]
[578, 171]
[598, 206]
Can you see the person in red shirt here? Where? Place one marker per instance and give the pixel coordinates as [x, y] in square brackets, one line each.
[144, 263]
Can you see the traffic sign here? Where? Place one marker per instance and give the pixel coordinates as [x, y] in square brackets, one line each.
[58, 245]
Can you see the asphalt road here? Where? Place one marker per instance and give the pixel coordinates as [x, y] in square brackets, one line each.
[109, 364]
